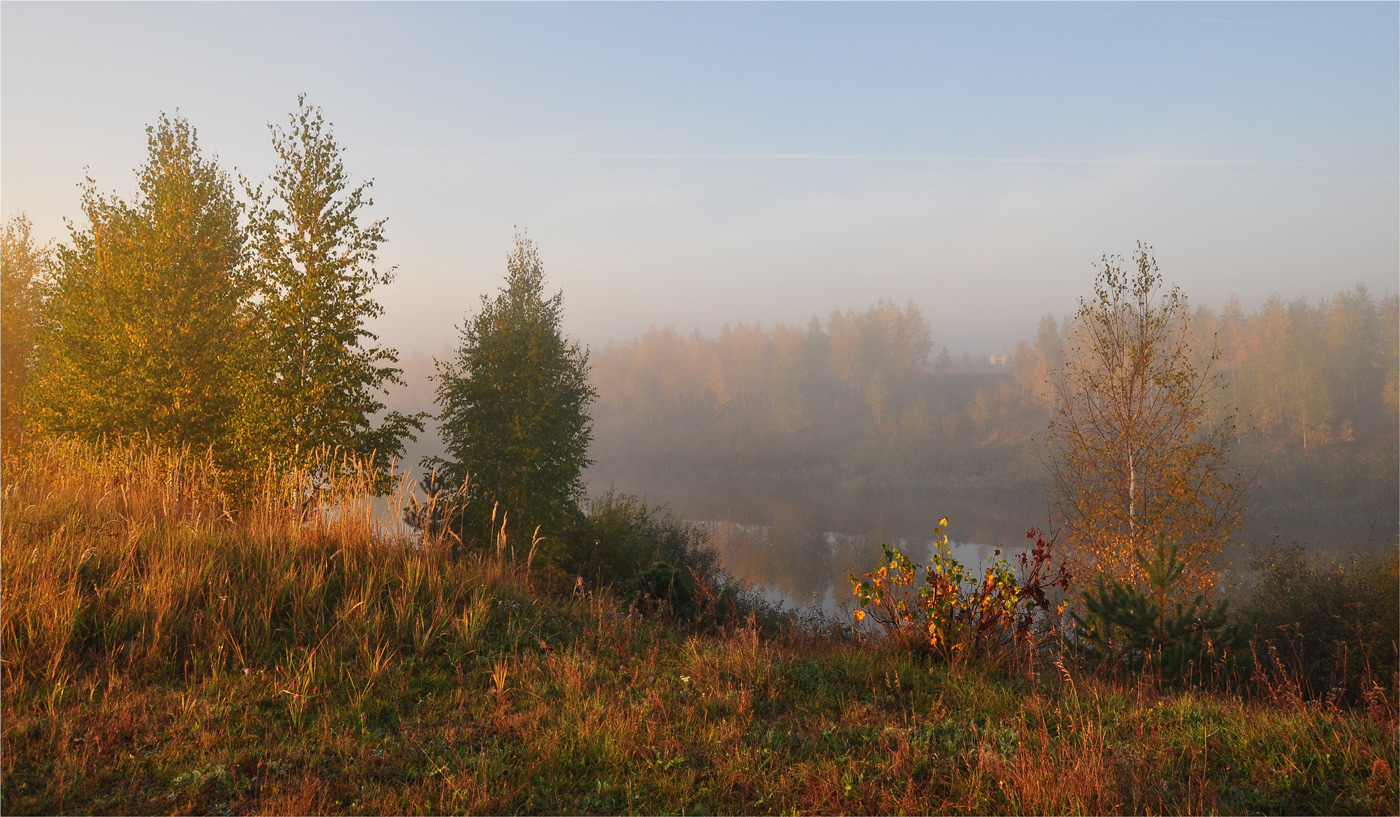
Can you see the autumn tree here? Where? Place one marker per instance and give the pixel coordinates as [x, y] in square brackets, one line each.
[145, 328]
[1389, 358]
[23, 268]
[880, 353]
[1037, 364]
[314, 261]
[1284, 380]
[514, 411]
[1136, 453]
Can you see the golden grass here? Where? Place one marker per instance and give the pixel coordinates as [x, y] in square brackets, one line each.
[164, 652]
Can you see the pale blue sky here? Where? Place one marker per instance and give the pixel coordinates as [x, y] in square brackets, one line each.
[692, 164]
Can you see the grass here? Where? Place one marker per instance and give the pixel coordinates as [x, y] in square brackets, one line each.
[163, 653]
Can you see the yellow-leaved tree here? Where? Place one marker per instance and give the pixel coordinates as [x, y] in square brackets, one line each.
[145, 324]
[1138, 449]
[23, 276]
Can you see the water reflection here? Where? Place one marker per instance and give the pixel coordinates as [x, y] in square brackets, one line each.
[799, 568]
[810, 569]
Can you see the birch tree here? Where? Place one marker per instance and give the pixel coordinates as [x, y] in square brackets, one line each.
[1136, 453]
[315, 263]
[145, 328]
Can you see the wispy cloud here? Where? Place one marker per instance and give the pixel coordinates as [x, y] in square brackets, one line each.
[916, 158]
[1173, 17]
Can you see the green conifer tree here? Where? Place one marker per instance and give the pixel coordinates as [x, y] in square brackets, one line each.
[515, 411]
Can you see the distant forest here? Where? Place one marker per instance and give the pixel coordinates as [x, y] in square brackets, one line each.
[861, 425]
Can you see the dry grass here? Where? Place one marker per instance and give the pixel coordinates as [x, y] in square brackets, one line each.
[163, 653]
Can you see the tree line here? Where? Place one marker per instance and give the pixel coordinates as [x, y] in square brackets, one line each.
[856, 424]
[1302, 374]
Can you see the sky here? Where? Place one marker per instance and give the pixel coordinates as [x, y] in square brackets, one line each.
[697, 164]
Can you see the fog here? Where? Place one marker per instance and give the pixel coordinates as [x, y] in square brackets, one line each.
[695, 172]
[803, 448]
[691, 166]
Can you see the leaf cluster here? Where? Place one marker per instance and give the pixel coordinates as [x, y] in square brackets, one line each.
[662, 586]
[951, 611]
[25, 272]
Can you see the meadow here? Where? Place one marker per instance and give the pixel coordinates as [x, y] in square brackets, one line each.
[165, 651]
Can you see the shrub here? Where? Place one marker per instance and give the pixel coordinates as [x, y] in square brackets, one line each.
[618, 535]
[609, 542]
[951, 611]
[1332, 626]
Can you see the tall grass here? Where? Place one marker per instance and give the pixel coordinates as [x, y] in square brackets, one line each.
[129, 558]
[164, 652]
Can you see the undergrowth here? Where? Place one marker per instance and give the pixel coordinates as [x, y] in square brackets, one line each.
[165, 653]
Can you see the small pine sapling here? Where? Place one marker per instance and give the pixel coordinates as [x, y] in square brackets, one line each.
[1128, 628]
[663, 586]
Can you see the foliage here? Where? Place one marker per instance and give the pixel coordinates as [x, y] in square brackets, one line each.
[514, 413]
[146, 328]
[1311, 376]
[610, 543]
[1127, 628]
[618, 539]
[1330, 627]
[315, 268]
[867, 362]
[951, 611]
[24, 274]
[1038, 362]
[1136, 450]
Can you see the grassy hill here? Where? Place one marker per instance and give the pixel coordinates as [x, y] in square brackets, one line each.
[163, 652]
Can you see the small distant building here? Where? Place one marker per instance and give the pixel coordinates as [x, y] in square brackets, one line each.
[997, 360]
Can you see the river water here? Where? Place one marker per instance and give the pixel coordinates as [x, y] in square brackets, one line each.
[813, 569]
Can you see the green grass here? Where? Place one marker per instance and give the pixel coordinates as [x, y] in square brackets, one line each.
[160, 657]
